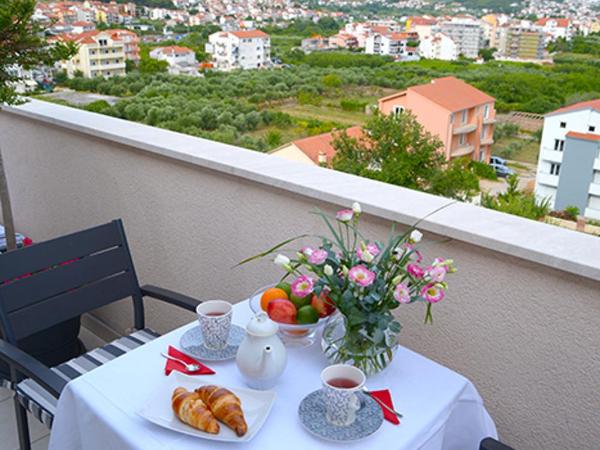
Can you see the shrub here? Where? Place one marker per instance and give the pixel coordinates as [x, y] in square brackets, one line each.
[98, 106]
[483, 170]
[572, 212]
[352, 105]
[332, 80]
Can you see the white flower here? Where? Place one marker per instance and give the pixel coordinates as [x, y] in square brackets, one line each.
[328, 270]
[356, 208]
[416, 236]
[281, 260]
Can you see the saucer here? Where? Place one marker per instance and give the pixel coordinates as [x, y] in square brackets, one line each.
[192, 343]
[312, 415]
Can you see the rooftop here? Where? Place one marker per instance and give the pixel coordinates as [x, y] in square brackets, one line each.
[248, 34]
[584, 136]
[450, 93]
[590, 104]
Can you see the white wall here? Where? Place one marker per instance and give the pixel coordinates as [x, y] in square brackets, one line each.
[524, 332]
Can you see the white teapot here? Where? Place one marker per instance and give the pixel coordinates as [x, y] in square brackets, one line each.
[262, 356]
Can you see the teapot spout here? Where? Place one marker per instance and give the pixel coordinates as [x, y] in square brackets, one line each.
[265, 359]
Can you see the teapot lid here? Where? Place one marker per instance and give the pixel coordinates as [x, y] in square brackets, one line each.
[261, 325]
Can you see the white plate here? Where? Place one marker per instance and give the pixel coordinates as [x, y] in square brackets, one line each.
[255, 404]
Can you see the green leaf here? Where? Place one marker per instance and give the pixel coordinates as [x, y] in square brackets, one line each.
[271, 250]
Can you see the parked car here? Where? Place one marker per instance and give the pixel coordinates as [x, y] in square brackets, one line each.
[496, 160]
[502, 170]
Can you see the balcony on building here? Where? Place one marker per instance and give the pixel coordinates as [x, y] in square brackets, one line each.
[464, 128]
[521, 318]
[547, 179]
[462, 150]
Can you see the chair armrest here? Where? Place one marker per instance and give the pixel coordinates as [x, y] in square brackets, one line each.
[493, 444]
[174, 298]
[32, 368]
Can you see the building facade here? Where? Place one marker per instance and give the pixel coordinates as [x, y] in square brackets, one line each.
[524, 43]
[466, 32]
[248, 49]
[460, 115]
[100, 54]
[181, 60]
[568, 172]
[401, 46]
[438, 46]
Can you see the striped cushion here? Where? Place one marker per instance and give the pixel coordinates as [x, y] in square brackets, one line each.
[42, 404]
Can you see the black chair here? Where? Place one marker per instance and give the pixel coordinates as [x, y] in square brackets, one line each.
[493, 444]
[67, 277]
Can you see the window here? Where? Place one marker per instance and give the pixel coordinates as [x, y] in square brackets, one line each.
[464, 116]
[483, 131]
[398, 109]
[591, 128]
[554, 169]
[451, 117]
[486, 111]
[559, 145]
[462, 139]
[563, 124]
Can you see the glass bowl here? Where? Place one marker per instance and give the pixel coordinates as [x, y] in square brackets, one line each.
[293, 335]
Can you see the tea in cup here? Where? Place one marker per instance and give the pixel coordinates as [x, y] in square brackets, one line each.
[341, 383]
[214, 317]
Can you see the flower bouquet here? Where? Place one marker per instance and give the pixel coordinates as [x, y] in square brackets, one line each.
[365, 281]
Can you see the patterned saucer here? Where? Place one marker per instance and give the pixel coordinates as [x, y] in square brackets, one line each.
[312, 415]
[192, 343]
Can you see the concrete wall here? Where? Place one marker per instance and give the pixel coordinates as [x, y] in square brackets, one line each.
[526, 334]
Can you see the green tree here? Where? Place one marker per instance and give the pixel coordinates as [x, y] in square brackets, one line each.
[22, 45]
[396, 149]
[332, 80]
[517, 202]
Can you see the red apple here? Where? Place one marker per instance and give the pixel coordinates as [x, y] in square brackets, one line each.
[323, 304]
[282, 311]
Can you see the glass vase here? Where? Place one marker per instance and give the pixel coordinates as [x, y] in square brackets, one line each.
[342, 345]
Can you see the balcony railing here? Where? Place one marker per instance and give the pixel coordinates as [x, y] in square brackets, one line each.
[69, 169]
[462, 150]
[489, 140]
[552, 155]
[489, 120]
[464, 129]
[547, 179]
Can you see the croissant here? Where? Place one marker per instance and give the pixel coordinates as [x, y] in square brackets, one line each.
[190, 409]
[226, 407]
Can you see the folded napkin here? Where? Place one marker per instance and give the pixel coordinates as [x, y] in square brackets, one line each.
[386, 398]
[176, 365]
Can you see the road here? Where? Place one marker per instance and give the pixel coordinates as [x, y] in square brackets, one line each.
[526, 172]
[81, 98]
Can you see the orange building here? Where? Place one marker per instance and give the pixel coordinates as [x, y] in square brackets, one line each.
[460, 115]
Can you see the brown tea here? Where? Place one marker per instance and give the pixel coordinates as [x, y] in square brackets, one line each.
[214, 314]
[343, 383]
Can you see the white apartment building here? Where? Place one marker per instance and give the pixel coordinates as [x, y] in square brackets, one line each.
[438, 46]
[401, 46]
[555, 28]
[100, 54]
[466, 32]
[568, 171]
[247, 49]
[182, 60]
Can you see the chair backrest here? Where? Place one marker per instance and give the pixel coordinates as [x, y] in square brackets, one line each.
[47, 283]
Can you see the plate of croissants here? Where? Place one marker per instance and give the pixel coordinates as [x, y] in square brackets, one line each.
[208, 410]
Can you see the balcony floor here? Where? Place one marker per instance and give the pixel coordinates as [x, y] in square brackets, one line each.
[40, 435]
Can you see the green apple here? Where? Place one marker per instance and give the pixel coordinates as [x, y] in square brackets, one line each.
[307, 314]
[285, 287]
[299, 302]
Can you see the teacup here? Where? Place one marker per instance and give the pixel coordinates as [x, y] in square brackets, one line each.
[214, 317]
[340, 385]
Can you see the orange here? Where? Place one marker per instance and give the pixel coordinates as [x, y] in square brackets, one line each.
[272, 294]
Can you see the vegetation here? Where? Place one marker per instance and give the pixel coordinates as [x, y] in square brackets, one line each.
[517, 202]
[395, 149]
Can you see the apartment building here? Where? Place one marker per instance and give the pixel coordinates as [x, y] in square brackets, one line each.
[401, 46]
[438, 46]
[182, 60]
[460, 115]
[100, 54]
[466, 32]
[568, 171]
[524, 42]
[315, 44]
[555, 28]
[130, 41]
[343, 40]
[424, 26]
[246, 49]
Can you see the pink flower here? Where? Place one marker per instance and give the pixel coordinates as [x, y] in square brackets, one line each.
[344, 215]
[401, 293]
[361, 275]
[436, 273]
[415, 270]
[445, 263]
[302, 286]
[432, 293]
[373, 249]
[318, 256]
[416, 256]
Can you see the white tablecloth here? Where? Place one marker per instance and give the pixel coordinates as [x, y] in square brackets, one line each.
[442, 409]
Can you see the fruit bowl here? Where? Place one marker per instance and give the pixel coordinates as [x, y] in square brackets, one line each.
[296, 335]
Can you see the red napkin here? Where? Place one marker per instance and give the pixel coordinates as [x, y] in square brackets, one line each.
[175, 365]
[386, 398]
